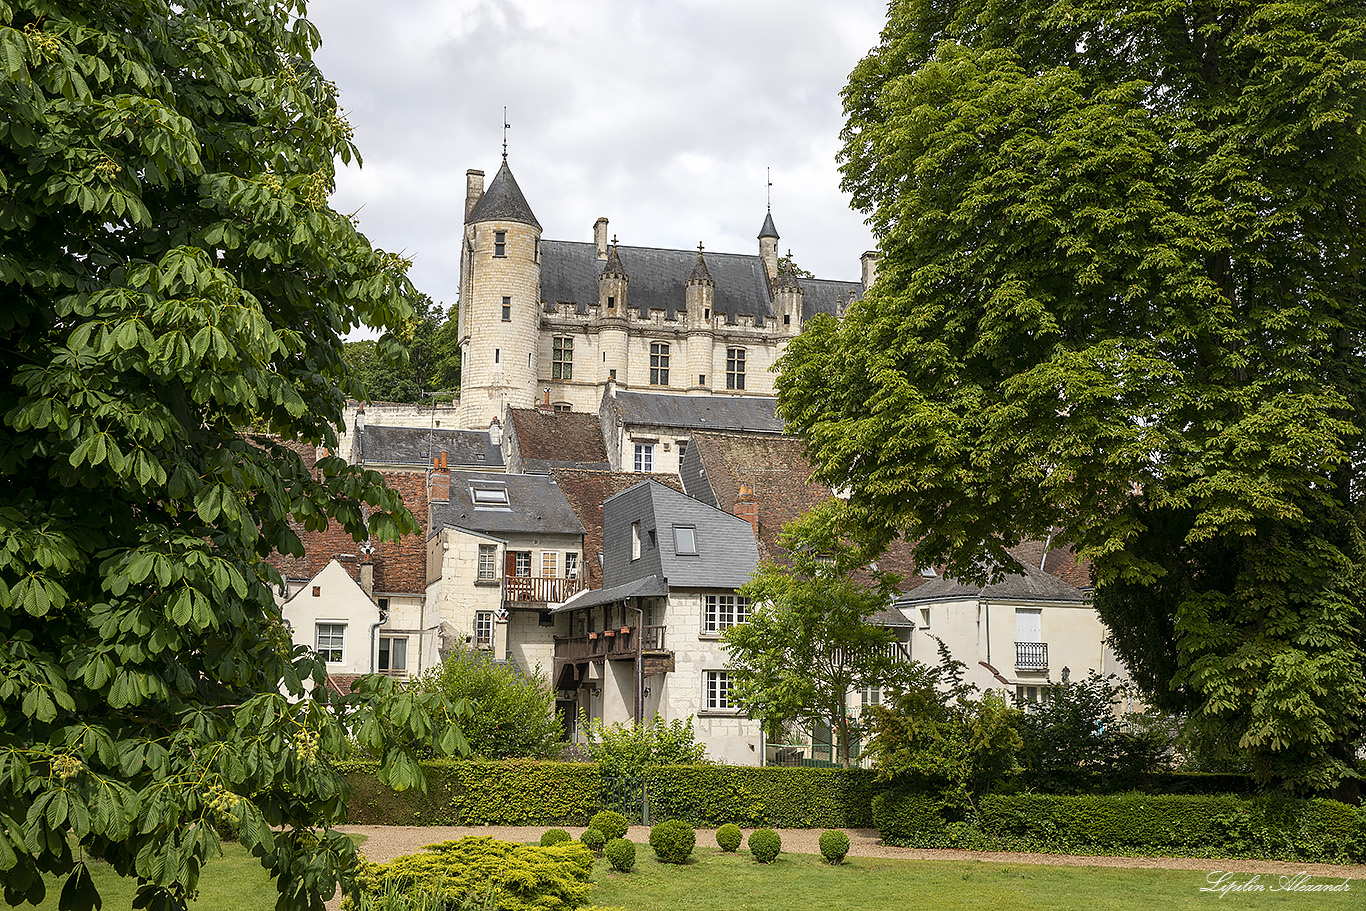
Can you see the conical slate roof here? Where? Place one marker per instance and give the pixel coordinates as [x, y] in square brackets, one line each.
[699, 270]
[613, 266]
[503, 201]
[768, 230]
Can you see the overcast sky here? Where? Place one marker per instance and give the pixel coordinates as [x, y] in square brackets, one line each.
[659, 114]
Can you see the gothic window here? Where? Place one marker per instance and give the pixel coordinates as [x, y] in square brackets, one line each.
[562, 359]
[735, 368]
[500, 243]
[659, 364]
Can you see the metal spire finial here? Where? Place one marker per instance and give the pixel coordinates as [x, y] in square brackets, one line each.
[769, 188]
[506, 127]
[699, 246]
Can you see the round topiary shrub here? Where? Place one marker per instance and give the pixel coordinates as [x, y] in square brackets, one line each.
[621, 854]
[610, 823]
[555, 837]
[673, 841]
[834, 845]
[593, 840]
[765, 844]
[728, 837]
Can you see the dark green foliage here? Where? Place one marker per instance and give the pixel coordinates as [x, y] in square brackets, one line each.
[765, 844]
[593, 840]
[418, 362]
[1119, 304]
[610, 823]
[514, 711]
[902, 816]
[788, 798]
[508, 792]
[728, 838]
[629, 749]
[673, 841]
[834, 845]
[171, 277]
[527, 877]
[621, 854]
[554, 837]
[1073, 742]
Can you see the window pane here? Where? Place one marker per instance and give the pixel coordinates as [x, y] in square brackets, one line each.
[685, 540]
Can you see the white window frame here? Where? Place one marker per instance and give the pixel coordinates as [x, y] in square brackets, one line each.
[488, 562]
[550, 564]
[644, 458]
[336, 638]
[686, 548]
[390, 642]
[484, 496]
[721, 612]
[571, 564]
[716, 692]
[483, 629]
[635, 540]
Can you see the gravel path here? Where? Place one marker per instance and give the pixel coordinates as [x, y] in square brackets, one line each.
[383, 843]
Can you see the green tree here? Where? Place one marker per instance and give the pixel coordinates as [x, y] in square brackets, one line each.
[629, 749]
[512, 712]
[1120, 295]
[420, 359]
[810, 638]
[172, 274]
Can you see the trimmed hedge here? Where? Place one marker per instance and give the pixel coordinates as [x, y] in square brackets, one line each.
[780, 798]
[524, 792]
[512, 792]
[904, 817]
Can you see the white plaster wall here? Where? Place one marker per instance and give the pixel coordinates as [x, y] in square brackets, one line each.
[339, 600]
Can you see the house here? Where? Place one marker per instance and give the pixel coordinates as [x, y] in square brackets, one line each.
[503, 550]
[1022, 634]
[650, 431]
[539, 439]
[649, 641]
[586, 491]
[571, 316]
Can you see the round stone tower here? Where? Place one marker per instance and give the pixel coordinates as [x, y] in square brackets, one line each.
[500, 300]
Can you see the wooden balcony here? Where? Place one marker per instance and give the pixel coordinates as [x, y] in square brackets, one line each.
[613, 643]
[541, 589]
[1031, 656]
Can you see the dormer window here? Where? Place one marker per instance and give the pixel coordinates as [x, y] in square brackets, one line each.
[685, 540]
[489, 496]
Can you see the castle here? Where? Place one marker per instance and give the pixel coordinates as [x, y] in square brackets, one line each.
[561, 321]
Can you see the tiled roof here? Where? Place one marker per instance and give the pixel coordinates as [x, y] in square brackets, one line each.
[535, 505]
[503, 201]
[417, 445]
[586, 491]
[567, 438]
[699, 412]
[648, 587]
[1032, 584]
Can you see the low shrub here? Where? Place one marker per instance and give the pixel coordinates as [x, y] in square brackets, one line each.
[765, 844]
[673, 841]
[554, 837]
[780, 798]
[593, 840]
[610, 823]
[834, 845]
[621, 854]
[728, 837]
[905, 817]
[527, 877]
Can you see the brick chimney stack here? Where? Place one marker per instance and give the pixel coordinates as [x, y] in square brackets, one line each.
[439, 480]
[747, 508]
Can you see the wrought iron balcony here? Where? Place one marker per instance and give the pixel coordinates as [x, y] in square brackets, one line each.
[1031, 656]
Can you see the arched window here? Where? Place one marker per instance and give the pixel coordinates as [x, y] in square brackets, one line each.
[735, 368]
[659, 364]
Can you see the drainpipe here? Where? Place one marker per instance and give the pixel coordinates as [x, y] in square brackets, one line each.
[986, 607]
[373, 627]
[640, 663]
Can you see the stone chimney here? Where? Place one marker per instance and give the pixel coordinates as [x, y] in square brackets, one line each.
[367, 576]
[600, 237]
[439, 480]
[869, 262]
[474, 188]
[747, 508]
[544, 406]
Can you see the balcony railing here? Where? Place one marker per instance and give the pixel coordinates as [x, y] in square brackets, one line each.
[894, 651]
[612, 643]
[653, 640]
[541, 589]
[1031, 656]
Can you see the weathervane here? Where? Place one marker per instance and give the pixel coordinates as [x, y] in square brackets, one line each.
[506, 127]
[769, 189]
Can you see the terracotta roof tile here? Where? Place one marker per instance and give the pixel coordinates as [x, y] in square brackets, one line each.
[558, 436]
[586, 490]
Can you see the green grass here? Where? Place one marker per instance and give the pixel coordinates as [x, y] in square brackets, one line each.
[714, 881]
[796, 882]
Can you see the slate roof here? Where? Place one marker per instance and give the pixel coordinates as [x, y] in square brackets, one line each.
[417, 445]
[891, 618]
[658, 278]
[699, 412]
[769, 229]
[554, 439]
[648, 587]
[1031, 585]
[726, 550]
[535, 505]
[503, 201]
[586, 491]
[822, 295]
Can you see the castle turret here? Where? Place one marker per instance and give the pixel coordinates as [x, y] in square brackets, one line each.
[768, 247]
[787, 300]
[613, 291]
[499, 313]
[699, 296]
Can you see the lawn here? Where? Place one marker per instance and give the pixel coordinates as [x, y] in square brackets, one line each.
[733, 882]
